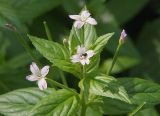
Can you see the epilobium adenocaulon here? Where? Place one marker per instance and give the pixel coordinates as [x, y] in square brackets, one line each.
[84, 17]
[82, 55]
[38, 75]
[122, 37]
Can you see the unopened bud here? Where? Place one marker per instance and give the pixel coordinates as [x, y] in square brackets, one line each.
[65, 42]
[122, 37]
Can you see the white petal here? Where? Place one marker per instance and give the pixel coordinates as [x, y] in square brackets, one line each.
[85, 14]
[90, 53]
[42, 84]
[83, 62]
[91, 21]
[34, 68]
[44, 71]
[31, 78]
[78, 24]
[75, 17]
[87, 61]
[81, 50]
[75, 58]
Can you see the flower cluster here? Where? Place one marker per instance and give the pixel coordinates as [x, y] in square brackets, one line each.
[82, 56]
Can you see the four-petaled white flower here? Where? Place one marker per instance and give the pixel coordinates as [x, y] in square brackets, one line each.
[82, 19]
[82, 55]
[38, 75]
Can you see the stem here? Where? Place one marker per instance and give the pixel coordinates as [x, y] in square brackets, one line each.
[84, 71]
[60, 85]
[84, 107]
[48, 33]
[114, 59]
[64, 81]
[26, 46]
[137, 109]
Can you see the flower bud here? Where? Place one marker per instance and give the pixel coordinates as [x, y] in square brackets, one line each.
[122, 37]
[65, 42]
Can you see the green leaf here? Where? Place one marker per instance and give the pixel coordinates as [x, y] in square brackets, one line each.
[101, 42]
[123, 63]
[20, 102]
[124, 10]
[111, 106]
[56, 54]
[93, 112]
[84, 36]
[148, 112]
[60, 103]
[107, 86]
[104, 93]
[141, 90]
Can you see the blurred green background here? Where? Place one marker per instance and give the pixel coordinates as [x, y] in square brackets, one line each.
[139, 57]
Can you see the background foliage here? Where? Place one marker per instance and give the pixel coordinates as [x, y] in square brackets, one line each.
[139, 57]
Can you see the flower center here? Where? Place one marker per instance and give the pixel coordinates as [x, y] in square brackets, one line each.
[83, 56]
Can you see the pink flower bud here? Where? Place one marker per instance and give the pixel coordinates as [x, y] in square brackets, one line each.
[123, 36]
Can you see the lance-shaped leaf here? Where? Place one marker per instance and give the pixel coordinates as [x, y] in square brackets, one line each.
[20, 102]
[101, 42]
[107, 86]
[61, 103]
[141, 90]
[55, 53]
[101, 89]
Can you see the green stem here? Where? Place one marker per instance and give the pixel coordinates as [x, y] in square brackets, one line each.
[84, 107]
[48, 33]
[60, 85]
[26, 46]
[137, 109]
[64, 81]
[84, 71]
[114, 59]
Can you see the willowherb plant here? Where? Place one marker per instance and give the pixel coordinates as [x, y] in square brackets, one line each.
[80, 55]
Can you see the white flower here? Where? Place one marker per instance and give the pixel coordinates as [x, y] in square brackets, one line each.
[82, 55]
[38, 75]
[82, 19]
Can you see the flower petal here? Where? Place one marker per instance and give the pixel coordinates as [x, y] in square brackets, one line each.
[85, 14]
[81, 50]
[87, 61]
[75, 58]
[42, 84]
[83, 62]
[78, 24]
[44, 71]
[34, 68]
[90, 53]
[31, 78]
[75, 17]
[91, 21]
